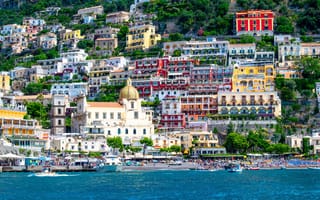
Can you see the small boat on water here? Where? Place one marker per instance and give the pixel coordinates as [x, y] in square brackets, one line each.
[111, 163]
[316, 168]
[45, 172]
[234, 168]
[253, 168]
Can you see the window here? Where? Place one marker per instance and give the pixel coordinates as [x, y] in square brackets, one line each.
[119, 131]
[132, 105]
[134, 131]
[89, 115]
[97, 115]
[126, 131]
[144, 131]
[109, 132]
[119, 115]
[111, 115]
[136, 115]
[104, 115]
[59, 122]
[59, 111]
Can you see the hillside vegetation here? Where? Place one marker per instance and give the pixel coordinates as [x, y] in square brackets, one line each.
[204, 17]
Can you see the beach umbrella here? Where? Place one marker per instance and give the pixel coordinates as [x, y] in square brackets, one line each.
[10, 155]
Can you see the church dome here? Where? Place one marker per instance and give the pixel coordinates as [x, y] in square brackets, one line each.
[129, 92]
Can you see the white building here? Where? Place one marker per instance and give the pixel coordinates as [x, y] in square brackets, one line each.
[119, 61]
[12, 28]
[241, 52]
[30, 21]
[75, 55]
[96, 10]
[125, 118]
[71, 89]
[211, 49]
[75, 142]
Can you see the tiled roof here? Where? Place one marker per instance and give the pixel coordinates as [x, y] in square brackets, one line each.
[105, 104]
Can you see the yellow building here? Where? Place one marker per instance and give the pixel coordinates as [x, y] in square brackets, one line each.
[12, 122]
[253, 77]
[12, 113]
[17, 127]
[71, 35]
[4, 82]
[141, 37]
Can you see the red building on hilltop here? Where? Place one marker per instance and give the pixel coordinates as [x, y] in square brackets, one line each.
[255, 22]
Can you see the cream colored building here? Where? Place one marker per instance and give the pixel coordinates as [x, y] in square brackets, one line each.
[202, 142]
[125, 118]
[141, 37]
[105, 46]
[118, 17]
[262, 104]
[310, 49]
[96, 10]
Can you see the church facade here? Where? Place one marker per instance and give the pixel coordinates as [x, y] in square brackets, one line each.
[125, 118]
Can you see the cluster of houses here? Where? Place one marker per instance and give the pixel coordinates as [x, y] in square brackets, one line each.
[199, 89]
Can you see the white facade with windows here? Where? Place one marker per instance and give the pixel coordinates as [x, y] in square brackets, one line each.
[71, 89]
[126, 118]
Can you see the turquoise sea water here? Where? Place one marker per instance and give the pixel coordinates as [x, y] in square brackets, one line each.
[260, 184]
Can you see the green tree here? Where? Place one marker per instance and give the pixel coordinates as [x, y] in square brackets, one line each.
[177, 53]
[230, 128]
[306, 146]
[84, 44]
[109, 93]
[146, 141]
[247, 39]
[176, 37]
[278, 148]
[236, 143]
[94, 154]
[115, 143]
[175, 148]
[33, 89]
[284, 25]
[256, 142]
[36, 110]
[124, 30]
[310, 68]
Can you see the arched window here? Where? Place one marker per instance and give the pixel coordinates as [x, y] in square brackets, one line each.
[119, 131]
[144, 131]
[234, 111]
[224, 111]
[134, 131]
[126, 131]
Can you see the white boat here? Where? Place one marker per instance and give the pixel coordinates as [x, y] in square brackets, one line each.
[235, 168]
[317, 168]
[111, 163]
[45, 172]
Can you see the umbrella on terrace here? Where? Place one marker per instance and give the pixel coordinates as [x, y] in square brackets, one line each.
[10, 155]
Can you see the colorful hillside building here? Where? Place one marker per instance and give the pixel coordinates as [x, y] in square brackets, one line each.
[255, 22]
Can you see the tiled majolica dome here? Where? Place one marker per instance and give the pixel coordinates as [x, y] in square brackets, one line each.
[129, 92]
